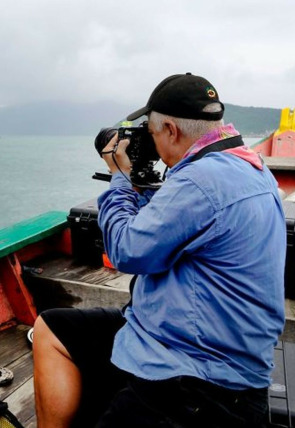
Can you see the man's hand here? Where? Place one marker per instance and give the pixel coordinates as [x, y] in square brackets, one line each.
[117, 159]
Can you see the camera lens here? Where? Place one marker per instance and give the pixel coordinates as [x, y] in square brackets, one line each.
[102, 139]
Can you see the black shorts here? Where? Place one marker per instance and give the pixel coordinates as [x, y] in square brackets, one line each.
[111, 398]
[88, 336]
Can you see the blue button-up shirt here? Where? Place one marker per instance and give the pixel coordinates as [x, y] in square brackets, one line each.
[209, 251]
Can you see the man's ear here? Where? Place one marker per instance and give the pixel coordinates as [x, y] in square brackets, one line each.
[172, 130]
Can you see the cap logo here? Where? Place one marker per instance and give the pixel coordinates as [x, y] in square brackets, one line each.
[211, 92]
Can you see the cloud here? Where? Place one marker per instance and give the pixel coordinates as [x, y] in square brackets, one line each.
[88, 50]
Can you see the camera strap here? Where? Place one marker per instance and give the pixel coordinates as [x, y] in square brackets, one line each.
[219, 146]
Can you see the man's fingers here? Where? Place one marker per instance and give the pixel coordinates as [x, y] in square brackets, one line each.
[110, 146]
[121, 146]
[116, 146]
[114, 154]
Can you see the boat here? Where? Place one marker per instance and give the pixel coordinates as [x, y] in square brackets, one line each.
[278, 152]
[41, 267]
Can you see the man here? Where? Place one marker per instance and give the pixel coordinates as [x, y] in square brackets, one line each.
[195, 347]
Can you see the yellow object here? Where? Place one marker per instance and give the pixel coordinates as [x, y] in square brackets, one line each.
[287, 122]
[126, 123]
[7, 422]
[4, 423]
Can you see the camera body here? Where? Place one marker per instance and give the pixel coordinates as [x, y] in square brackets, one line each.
[141, 152]
[142, 147]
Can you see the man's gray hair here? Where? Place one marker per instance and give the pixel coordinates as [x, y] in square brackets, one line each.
[189, 127]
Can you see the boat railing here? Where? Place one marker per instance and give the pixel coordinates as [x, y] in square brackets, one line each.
[18, 244]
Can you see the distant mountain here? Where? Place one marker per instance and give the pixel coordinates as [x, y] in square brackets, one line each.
[65, 118]
[253, 121]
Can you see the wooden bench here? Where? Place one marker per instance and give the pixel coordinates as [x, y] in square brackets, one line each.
[280, 163]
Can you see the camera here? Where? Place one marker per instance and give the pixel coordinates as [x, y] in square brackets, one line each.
[141, 152]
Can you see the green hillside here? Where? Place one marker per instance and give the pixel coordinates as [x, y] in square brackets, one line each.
[252, 121]
[65, 118]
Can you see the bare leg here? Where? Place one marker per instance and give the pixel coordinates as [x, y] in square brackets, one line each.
[57, 380]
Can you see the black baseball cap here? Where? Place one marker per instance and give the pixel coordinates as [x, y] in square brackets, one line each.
[183, 96]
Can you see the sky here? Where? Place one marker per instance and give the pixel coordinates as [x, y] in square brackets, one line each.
[92, 50]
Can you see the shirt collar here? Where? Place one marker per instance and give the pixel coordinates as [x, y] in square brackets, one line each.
[221, 133]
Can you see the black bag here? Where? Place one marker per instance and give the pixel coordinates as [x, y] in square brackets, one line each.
[7, 419]
[282, 390]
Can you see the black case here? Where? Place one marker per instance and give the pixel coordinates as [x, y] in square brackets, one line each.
[282, 390]
[87, 240]
[289, 210]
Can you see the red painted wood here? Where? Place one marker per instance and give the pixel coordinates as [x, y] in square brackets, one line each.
[284, 144]
[264, 147]
[6, 313]
[15, 290]
[286, 180]
[61, 242]
[64, 243]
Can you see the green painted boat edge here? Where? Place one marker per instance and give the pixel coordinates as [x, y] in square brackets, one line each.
[26, 232]
[262, 140]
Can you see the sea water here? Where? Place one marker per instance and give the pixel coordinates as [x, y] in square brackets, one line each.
[40, 173]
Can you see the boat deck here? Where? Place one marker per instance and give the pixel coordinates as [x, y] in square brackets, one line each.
[54, 282]
[73, 285]
[60, 281]
[16, 355]
[282, 163]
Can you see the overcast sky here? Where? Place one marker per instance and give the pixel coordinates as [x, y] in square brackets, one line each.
[94, 50]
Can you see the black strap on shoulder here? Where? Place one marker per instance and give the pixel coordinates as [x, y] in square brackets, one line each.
[228, 143]
[219, 146]
[131, 286]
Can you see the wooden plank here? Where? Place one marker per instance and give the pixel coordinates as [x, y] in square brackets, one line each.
[22, 369]
[32, 422]
[290, 309]
[121, 283]
[13, 344]
[21, 402]
[52, 293]
[64, 283]
[281, 163]
[289, 330]
[32, 230]
[65, 268]
[16, 354]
